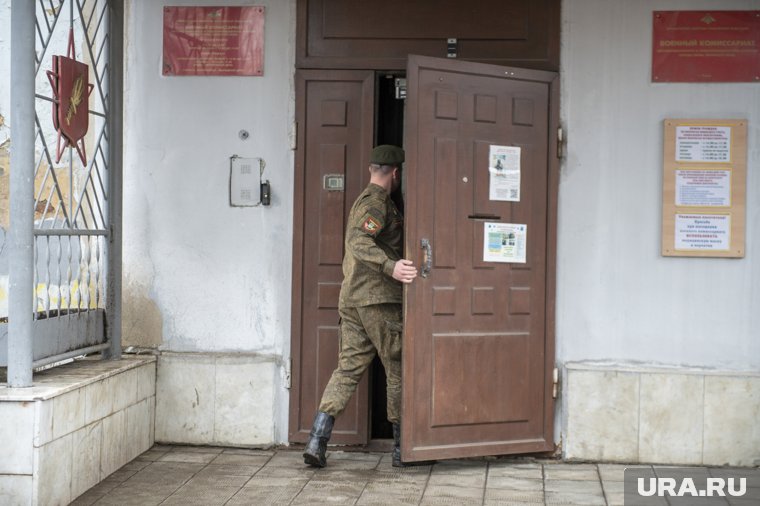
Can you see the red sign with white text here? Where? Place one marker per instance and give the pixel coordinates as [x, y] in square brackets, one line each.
[706, 46]
[213, 41]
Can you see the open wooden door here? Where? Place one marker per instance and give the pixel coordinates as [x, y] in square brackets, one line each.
[478, 341]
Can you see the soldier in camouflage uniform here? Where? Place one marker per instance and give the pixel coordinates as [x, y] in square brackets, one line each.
[370, 301]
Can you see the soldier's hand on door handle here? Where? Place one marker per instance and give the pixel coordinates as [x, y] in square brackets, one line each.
[404, 271]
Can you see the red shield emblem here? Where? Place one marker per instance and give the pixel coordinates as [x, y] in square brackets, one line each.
[70, 81]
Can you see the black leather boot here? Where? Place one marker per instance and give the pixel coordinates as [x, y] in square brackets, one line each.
[396, 456]
[321, 430]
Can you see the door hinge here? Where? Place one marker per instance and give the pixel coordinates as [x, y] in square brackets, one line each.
[287, 373]
[555, 383]
[560, 143]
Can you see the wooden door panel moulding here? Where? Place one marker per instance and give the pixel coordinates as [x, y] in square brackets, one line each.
[380, 35]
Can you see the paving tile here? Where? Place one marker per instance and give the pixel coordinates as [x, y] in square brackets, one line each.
[516, 496]
[401, 478]
[574, 486]
[264, 495]
[195, 457]
[87, 499]
[216, 480]
[453, 491]
[157, 474]
[136, 496]
[197, 449]
[574, 498]
[460, 467]
[275, 481]
[246, 460]
[512, 483]
[105, 486]
[351, 464]
[612, 487]
[496, 502]
[166, 448]
[339, 475]
[152, 455]
[385, 498]
[372, 457]
[201, 495]
[246, 451]
[122, 474]
[611, 472]
[459, 480]
[333, 492]
[453, 501]
[228, 470]
[529, 471]
[135, 465]
[410, 488]
[286, 472]
[570, 472]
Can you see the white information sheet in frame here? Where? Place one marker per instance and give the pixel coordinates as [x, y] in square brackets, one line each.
[703, 143]
[703, 232]
[504, 242]
[504, 169]
[703, 187]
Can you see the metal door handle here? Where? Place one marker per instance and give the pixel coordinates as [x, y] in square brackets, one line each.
[427, 258]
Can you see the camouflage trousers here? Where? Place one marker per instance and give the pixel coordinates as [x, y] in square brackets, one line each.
[364, 332]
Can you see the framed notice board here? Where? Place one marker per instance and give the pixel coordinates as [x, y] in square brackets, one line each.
[704, 188]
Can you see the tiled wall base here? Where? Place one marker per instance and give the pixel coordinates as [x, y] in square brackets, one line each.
[215, 399]
[666, 416]
[79, 423]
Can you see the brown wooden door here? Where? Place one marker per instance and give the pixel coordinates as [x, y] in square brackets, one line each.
[478, 341]
[335, 115]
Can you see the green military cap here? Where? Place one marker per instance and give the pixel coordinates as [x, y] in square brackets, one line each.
[387, 154]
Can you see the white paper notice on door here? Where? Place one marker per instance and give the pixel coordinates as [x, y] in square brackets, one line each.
[504, 169]
[504, 242]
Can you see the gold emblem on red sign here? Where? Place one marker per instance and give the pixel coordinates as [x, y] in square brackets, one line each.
[71, 90]
[708, 19]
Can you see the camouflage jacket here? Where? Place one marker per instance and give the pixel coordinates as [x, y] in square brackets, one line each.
[374, 235]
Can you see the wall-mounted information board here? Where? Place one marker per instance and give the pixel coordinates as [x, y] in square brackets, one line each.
[704, 188]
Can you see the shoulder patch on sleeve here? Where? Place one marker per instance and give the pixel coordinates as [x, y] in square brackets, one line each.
[371, 225]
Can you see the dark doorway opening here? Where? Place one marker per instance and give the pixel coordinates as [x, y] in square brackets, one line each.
[389, 129]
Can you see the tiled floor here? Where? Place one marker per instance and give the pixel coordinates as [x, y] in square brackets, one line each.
[180, 475]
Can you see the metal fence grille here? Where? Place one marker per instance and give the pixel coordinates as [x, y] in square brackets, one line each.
[72, 207]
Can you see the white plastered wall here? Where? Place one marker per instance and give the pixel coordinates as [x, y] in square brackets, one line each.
[205, 283]
[622, 308]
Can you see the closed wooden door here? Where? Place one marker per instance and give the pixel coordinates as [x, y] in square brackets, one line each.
[478, 341]
[335, 115]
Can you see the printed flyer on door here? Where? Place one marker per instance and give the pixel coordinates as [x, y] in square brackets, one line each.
[504, 242]
[504, 167]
